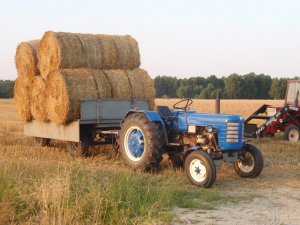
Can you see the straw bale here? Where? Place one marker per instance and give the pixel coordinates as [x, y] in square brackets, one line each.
[67, 87]
[22, 99]
[26, 60]
[38, 97]
[70, 51]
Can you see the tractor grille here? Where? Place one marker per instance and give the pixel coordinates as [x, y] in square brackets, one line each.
[232, 132]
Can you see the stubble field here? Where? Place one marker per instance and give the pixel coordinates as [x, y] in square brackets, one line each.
[44, 185]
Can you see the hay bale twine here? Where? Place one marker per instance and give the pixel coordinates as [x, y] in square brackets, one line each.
[142, 84]
[120, 83]
[22, 99]
[67, 87]
[38, 97]
[26, 60]
[70, 51]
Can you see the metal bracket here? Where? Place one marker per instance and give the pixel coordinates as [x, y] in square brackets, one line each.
[230, 157]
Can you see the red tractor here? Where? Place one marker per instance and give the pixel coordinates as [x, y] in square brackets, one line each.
[278, 118]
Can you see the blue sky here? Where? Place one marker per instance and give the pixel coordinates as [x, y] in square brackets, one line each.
[178, 38]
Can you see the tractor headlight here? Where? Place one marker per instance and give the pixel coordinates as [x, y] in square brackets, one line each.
[209, 129]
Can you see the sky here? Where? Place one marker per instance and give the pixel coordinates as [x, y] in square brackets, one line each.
[176, 38]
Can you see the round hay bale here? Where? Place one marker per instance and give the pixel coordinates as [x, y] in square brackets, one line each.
[22, 99]
[66, 88]
[70, 51]
[142, 84]
[38, 97]
[26, 60]
[120, 83]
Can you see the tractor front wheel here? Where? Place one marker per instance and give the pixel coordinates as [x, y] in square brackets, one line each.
[292, 133]
[141, 142]
[250, 162]
[200, 169]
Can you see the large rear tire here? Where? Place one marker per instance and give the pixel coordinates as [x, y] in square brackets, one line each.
[141, 142]
[250, 163]
[200, 169]
[292, 133]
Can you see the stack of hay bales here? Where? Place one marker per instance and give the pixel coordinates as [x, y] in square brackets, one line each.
[67, 67]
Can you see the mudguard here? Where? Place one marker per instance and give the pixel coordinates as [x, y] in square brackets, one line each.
[152, 116]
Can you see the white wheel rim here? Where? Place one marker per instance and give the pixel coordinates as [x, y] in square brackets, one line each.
[141, 142]
[197, 170]
[247, 165]
[293, 135]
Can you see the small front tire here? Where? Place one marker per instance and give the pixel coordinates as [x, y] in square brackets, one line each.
[200, 169]
[292, 133]
[250, 163]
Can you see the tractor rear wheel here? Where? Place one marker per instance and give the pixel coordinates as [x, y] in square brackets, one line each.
[200, 169]
[250, 162]
[292, 133]
[141, 142]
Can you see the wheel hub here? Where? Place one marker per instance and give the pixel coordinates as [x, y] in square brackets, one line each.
[246, 164]
[197, 170]
[134, 143]
[293, 135]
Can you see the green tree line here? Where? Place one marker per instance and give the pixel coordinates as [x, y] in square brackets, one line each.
[234, 86]
[6, 88]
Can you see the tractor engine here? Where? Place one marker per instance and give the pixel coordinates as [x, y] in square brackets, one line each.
[205, 137]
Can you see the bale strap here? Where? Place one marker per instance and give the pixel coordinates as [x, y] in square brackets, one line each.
[117, 51]
[111, 86]
[34, 55]
[127, 75]
[89, 66]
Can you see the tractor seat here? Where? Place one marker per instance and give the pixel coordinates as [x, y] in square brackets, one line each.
[164, 112]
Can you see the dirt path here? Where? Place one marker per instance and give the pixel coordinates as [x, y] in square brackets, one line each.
[276, 200]
[279, 206]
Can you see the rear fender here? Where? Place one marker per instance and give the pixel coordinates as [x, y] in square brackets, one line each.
[152, 116]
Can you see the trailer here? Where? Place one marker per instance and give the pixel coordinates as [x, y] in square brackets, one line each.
[141, 136]
[276, 119]
[98, 124]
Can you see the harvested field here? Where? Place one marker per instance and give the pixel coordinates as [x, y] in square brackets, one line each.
[103, 52]
[44, 185]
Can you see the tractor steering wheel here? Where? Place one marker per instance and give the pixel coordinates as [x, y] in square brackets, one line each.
[188, 103]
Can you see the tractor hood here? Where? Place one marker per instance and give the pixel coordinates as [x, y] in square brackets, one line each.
[203, 119]
[229, 127]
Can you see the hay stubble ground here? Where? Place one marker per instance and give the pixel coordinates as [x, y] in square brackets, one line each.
[34, 183]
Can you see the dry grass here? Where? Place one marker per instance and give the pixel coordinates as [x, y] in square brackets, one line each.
[47, 186]
[70, 51]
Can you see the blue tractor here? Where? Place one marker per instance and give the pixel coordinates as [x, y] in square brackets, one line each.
[190, 138]
[142, 136]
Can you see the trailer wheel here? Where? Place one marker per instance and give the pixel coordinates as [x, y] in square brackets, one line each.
[250, 162]
[141, 142]
[200, 169]
[292, 133]
[79, 148]
[41, 142]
